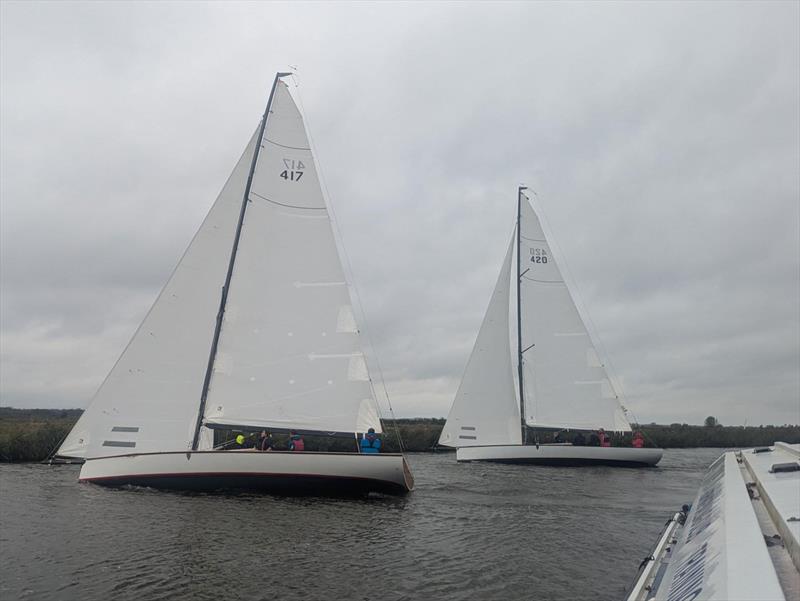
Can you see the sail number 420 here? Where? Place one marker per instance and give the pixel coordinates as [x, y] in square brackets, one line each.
[294, 170]
[538, 255]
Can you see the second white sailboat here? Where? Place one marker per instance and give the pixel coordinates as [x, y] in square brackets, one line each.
[560, 382]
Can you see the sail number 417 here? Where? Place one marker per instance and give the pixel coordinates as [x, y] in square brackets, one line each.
[294, 170]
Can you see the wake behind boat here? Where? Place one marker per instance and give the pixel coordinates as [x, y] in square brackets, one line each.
[561, 383]
[254, 330]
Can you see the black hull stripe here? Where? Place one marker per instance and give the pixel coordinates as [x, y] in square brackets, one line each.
[565, 462]
[309, 484]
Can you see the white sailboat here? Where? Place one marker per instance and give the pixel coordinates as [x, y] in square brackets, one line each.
[254, 329]
[560, 383]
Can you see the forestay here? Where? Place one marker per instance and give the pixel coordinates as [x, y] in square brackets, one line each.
[485, 410]
[149, 400]
[566, 386]
[289, 352]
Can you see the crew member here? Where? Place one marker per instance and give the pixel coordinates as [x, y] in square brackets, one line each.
[605, 441]
[638, 440]
[265, 442]
[296, 442]
[370, 444]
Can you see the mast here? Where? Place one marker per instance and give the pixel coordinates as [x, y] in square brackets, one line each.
[220, 314]
[519, 322]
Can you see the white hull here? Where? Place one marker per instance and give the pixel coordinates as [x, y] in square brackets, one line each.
[272, 471]
[561, 454]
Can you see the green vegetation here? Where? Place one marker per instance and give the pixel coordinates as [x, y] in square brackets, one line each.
[32, 434]
[682, 436]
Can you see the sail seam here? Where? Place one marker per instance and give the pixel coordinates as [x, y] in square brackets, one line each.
[285, 205]
[284, 145]
[543, 281]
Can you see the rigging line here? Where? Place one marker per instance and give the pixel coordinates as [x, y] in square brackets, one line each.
[335, 221]
[639, 425]
[54, 450]
[594, 335]
[523, 420]
[285, 205]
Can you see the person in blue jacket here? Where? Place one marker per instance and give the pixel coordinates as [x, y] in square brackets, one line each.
[370, 444]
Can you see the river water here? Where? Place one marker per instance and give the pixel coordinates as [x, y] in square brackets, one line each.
[469, 531]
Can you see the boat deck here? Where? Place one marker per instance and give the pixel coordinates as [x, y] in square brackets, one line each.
[740, 538]
[777, 505]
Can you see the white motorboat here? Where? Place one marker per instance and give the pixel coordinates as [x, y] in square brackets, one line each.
[738, 541]
[254, 329]
[560, 382]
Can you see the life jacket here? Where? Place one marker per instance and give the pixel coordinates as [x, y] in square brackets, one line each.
[298, 444]
[370, 446]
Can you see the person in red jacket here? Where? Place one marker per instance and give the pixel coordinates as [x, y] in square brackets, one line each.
[605, 441]
[296, 442]
[638, 440]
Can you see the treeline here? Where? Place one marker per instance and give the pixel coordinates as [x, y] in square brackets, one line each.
[32, 434]
[681, 436]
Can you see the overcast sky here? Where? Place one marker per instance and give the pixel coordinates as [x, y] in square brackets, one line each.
[662, 141]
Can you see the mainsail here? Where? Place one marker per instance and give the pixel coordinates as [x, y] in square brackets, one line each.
[288, 353]
[566, 386]
[485, 410]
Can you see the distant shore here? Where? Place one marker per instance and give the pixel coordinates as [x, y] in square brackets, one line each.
[32, 434]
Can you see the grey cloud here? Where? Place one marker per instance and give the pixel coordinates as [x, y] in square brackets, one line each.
[662, 140]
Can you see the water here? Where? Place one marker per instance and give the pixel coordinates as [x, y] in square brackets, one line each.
[469, 531]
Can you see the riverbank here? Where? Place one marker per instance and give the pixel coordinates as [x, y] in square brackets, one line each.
[31, 434]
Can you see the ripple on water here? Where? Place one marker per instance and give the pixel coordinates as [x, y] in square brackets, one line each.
[469, 531]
